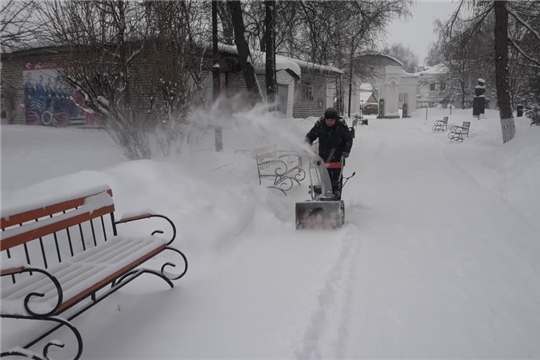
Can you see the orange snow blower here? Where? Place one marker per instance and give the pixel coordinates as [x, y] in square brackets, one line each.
[325, 210]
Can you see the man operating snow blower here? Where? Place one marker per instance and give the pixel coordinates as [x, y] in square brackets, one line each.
[335, 141]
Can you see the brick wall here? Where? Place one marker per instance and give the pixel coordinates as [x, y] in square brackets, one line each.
[305, 106]
[236, 88]
[13, 83]
[232, 82]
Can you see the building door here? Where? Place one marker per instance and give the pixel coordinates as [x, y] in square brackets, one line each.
[283, 96]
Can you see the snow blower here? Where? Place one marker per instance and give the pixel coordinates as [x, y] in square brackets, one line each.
[325, 210]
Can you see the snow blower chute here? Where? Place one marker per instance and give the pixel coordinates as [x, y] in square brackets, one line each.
[325, 210]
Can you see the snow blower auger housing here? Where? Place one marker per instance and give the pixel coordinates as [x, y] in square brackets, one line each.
[325, 210]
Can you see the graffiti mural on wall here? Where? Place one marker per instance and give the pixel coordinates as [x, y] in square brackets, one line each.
[49, 101]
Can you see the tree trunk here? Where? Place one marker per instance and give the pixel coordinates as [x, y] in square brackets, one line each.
[501, 71]
[462, 89]
[228, 31]
[216, 73]
[244, 55]
[270, 36]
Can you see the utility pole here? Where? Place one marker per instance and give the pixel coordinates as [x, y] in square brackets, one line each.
[350, 87]
[350, 74]
[216, 73]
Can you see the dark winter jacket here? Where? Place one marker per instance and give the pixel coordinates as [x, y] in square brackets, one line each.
[333, 141]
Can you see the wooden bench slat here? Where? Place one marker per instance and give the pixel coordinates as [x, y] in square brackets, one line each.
[86, 269]
[19, 239]
[26, 216]
[67, 304]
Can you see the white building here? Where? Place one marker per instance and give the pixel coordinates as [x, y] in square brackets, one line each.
[393, 87]
[435, 89]
[432, 87]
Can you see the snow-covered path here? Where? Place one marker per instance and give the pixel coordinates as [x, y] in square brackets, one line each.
[442, 271]
[426, 267]
[432, 262]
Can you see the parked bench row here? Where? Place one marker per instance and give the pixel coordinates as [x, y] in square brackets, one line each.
[441, 125]
[457, 133]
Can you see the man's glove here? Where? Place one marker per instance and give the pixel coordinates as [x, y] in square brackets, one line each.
[345, 155]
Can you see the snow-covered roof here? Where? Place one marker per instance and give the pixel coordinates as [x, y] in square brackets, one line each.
[259, 58]
[31, 45]
[313, 66]
[435, 70]
[282, 62]
[381, 60]
[364, 96]
[406, 74]
[393, 58]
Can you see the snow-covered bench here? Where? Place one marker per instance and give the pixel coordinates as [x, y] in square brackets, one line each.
[283, 167]
[358, 119]
[441, 125]
[60, 258]
[457, 132]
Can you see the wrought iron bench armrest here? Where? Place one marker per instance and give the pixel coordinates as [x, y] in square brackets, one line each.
[27, 298]
[147, 216]
[12, 271]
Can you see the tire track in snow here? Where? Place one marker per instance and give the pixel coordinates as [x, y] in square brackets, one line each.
[327, 332]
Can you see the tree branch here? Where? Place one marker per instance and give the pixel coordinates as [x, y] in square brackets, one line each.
[516, 46]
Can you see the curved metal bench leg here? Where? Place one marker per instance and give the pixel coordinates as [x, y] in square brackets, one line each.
[278, 188]
[137, 272]
[172, 276]
[117, 281]
[45, 356]
[157, 273]
[22, 353]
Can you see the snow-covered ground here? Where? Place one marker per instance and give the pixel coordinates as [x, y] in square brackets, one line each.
[438, 258]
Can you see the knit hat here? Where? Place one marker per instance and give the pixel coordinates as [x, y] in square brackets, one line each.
[331, 113]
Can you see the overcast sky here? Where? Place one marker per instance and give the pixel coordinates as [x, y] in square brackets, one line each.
[417, 31]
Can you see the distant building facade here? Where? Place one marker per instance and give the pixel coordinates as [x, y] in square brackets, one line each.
[437, 88]
[393, 88]
[32, 92]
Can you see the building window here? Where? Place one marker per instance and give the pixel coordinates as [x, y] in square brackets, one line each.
[307, 90]
[432, 87]
[443, 86]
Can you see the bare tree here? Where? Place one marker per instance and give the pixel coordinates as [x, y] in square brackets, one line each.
[506, 14]
[464, 58]
[226, 23]
[323, 32]
[131, 62]
[244, 53]
[17, 25]
[403, 54]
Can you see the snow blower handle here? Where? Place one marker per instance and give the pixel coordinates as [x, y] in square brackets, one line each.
[346, 178]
